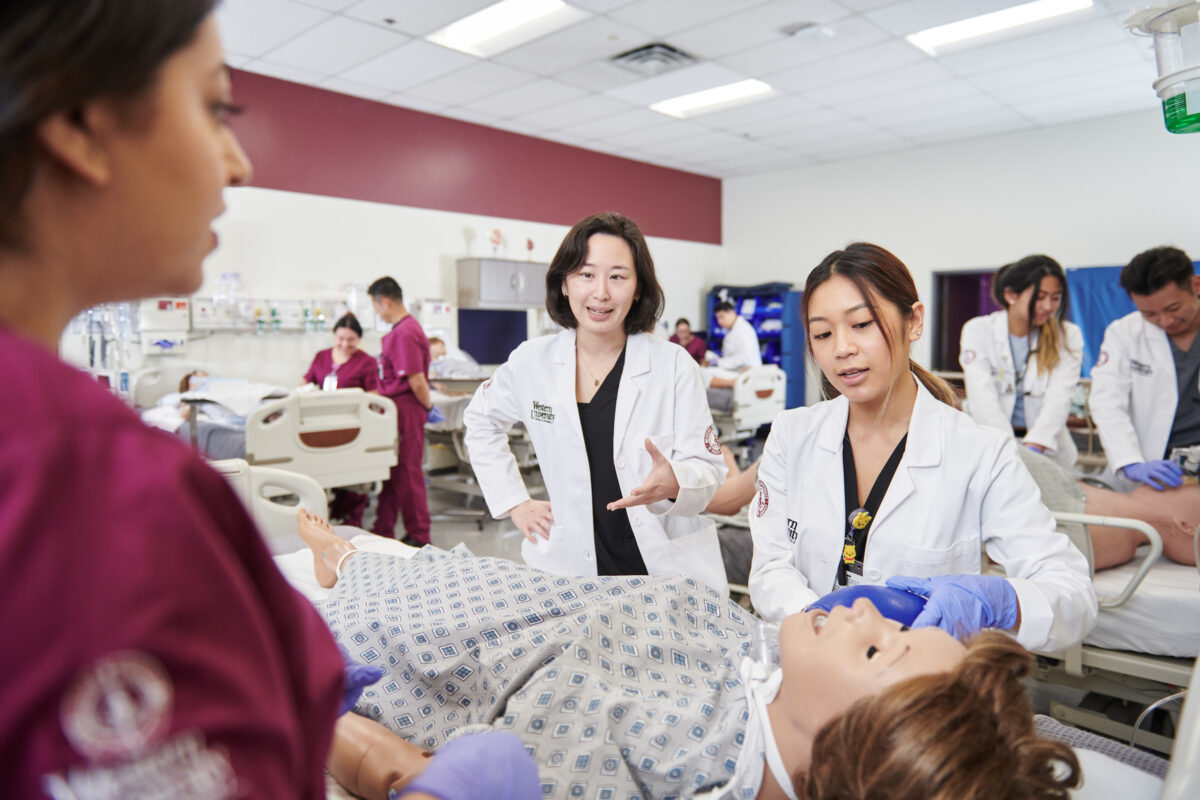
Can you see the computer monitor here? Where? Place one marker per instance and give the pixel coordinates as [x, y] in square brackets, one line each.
[490, 335]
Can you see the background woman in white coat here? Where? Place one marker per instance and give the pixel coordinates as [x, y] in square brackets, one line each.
[1022, 364]
[618, 418]
[888, 482]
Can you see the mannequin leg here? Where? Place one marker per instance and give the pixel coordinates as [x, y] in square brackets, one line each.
[329, 550]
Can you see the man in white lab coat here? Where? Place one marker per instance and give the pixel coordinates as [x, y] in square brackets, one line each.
[1146, 382]
[740, 346]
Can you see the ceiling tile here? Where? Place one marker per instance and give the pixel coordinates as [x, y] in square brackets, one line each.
[415, 17]
[469, 115]
[1097, 102]
[596, 76]
[525, 98]
[882, 57]
[867, 5]
[1027, 49]
[901, 19]
[649, 138]
[598, 38]
[356, 89]
[328, 5]
[753, 27]
[1066, 66]
[748, 116]
[883, 83]
[416, 103]
[934, 112]
[1065, 88]
[471, 83]
[981, 121]
[578, 111]
[335, 45]
[948, 93]
[624, 122]
[283, 72]
[664, 17]
[804, 121]
[519, 126]
[846, 35]
[675, 83]
[600, 6]
[254, 27]
[408, 65]
[710, 142]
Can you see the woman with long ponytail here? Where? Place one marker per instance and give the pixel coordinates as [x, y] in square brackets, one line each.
[887, 482]
[1022, 363]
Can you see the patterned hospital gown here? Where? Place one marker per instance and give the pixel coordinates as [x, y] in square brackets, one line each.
[621, 688]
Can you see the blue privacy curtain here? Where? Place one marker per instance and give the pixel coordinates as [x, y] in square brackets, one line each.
[1096, 300]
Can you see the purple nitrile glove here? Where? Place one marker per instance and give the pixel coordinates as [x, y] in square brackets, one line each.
[485, 766]
[1154, 473]
[962, 605]
[357, 677]
[435, 416]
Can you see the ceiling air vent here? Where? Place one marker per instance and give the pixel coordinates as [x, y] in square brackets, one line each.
[653, 59]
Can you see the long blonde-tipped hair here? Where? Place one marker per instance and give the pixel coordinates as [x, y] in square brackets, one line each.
[877, 274]
[1019, 276]
[967, 734]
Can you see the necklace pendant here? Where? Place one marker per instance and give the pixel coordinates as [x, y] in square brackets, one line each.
[597, 381]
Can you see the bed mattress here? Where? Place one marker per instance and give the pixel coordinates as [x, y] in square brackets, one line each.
[452, 407]
[1163, 616]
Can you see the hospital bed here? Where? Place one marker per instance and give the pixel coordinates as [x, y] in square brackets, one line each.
[1146, 638]
[756, 397]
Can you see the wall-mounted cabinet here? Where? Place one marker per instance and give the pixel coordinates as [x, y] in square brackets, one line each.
[500, 283]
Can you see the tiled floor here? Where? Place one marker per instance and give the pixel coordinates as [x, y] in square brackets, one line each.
[457, 520]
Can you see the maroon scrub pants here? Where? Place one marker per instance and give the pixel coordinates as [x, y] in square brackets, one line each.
[404, 490]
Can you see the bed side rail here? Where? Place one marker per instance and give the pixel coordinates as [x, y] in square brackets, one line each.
[1148, 561]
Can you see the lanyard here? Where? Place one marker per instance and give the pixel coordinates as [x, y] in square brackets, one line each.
[1019, 382]
[859, 518]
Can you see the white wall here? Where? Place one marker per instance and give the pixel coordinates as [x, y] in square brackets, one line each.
[294, 246]
[1088, 194]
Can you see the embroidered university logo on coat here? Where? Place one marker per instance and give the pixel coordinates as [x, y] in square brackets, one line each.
[541, 412]
[764, 499]
[710, 441]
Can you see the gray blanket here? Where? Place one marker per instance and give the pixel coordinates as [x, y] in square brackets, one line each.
[619, 687]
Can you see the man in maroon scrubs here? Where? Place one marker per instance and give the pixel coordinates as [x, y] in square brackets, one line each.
[404, 377]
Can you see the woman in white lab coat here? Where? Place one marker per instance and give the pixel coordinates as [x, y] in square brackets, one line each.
[888, 482]
[1022, 364]
[618, 418]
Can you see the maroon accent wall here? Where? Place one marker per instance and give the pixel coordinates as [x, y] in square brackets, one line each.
[304, 139]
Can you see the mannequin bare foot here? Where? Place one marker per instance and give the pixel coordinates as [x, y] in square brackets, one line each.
[327, 547]
[368, 759]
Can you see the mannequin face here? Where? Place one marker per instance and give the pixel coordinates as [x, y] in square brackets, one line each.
[604, 288]
[830, 661]
[437, 349]
[848, 344]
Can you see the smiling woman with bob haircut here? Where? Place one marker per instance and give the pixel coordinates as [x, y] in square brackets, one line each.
[618, 418]
[887, 481]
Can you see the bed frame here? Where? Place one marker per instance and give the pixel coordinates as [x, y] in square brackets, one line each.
[1135, 677]
[341, 438]
[261, 488]
[759, 393]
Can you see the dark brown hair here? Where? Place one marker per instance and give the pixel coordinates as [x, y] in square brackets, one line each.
[1155, 268]
[56, 55]
[877, 274]
[386, 287]
[1019, 276]
[348, 320]
[648, 302]
[966, 734]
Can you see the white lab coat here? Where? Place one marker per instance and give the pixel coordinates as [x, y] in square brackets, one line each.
[739, 348]
[987, 363]
[1134, 392]
[660, 396]
[959, 488]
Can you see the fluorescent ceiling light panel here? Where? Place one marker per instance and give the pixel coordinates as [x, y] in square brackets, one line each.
[727, 96]
[506, 25]
[931, 39]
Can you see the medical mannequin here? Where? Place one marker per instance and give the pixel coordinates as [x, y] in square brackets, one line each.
[150, 641]
[1021, 364]
[404, 377]
[345, 366]
[1145, 395]
[618, 419]
[888, 482]
[727, 707]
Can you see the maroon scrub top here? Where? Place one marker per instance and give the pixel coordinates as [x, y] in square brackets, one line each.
[134, 580]
[405, 352]
[360, 372]
[696, 347]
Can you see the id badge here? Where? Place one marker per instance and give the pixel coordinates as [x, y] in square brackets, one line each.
[330, 383]
[854, 574]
